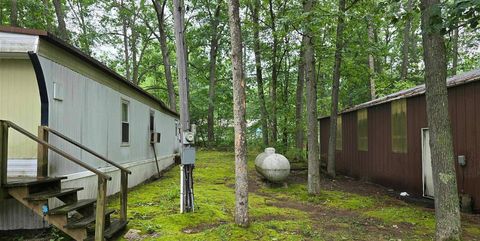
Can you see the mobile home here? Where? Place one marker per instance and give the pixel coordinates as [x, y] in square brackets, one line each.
[386, 140]
[45, 82]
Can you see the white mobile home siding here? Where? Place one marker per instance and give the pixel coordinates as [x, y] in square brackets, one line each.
[87, 108]
[91, 114]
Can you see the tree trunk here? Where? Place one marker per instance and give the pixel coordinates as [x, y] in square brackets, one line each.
[135, 61]
[299, 131]
[274, 75]
[312, 126]
[181, 53]
[13, 13]
[335, 88]
[160, 10]
[62, 28]
[455, 51]
[285, 102]
[212, 73]
[239, 105]
[125, 41]
[447, 214]
[258, 68]
[371, 60]
[406, 42]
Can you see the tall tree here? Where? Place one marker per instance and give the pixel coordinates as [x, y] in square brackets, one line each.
[239, 106]
[214, 38]
[162, 38]
[125, 24]
[13, 13]
[311, 83]
[335, 88]
[273, 86]
[455, 51]
[371, 58]
[406, 41]
[447, 216]
[258, 68]
[62, 27]
[299, 131]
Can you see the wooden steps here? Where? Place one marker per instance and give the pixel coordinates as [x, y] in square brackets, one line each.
[30, 181]
[85, 221]
[114, 228]
[75, 217]
[40, 196]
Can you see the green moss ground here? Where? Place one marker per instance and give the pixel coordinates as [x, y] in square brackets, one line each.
[280, 213]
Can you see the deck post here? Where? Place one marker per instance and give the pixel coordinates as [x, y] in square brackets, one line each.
[3, 152]
[3, 158]
[100, 212]
[42, 153]
[123, 195]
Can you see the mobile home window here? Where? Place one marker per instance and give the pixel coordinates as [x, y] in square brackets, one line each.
[362, 130]
[125, 122]
[399, 126]
[338, 146]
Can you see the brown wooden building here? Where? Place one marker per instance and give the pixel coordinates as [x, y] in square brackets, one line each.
[385, 140]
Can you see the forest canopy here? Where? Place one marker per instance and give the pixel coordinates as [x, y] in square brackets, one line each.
[382, 45]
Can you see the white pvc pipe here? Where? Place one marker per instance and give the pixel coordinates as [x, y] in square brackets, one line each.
[182, 197]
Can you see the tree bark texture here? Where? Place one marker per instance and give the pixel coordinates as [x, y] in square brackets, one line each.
[160, 10]
[285, 102]
[299, 130]
[273, 86]
[406, 42]
[335, 89]
[239, 106]
[454, 51]
[312, 126]
[13, 13]
[213, 71]
[179, 28]
[62, 28]
[447, 216]
[258, 69]
[371, 59]
[126, 53]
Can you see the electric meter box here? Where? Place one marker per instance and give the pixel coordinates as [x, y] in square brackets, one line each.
[188, 155]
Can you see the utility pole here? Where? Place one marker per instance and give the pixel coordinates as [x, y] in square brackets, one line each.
[187, 133]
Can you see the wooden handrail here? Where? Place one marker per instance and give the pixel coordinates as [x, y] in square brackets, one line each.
[75, 143]
[53, 148]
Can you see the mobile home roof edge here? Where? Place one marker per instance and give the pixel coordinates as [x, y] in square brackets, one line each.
[76, 52]
[460, 79]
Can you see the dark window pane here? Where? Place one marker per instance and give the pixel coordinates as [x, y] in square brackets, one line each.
[362, 130]
[125, 132]
[399, 126]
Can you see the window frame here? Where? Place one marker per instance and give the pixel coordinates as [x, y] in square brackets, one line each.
[122, 122]
[339, 134]
[398, 125]
[362, 129]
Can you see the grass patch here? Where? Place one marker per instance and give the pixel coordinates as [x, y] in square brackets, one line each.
[333, 199]
[417, 217]
[154, 207]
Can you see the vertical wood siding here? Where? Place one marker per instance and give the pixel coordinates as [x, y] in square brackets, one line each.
[403, 171]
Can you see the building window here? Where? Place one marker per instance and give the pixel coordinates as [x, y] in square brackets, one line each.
[362, 129]
[152, 121]
[399, 126]
[125, 122]
[338, 146]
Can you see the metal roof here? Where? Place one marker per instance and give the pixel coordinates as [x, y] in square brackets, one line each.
[95, 63]
[455, 80]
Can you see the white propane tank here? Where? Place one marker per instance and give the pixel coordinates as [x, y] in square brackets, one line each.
[274, 167]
